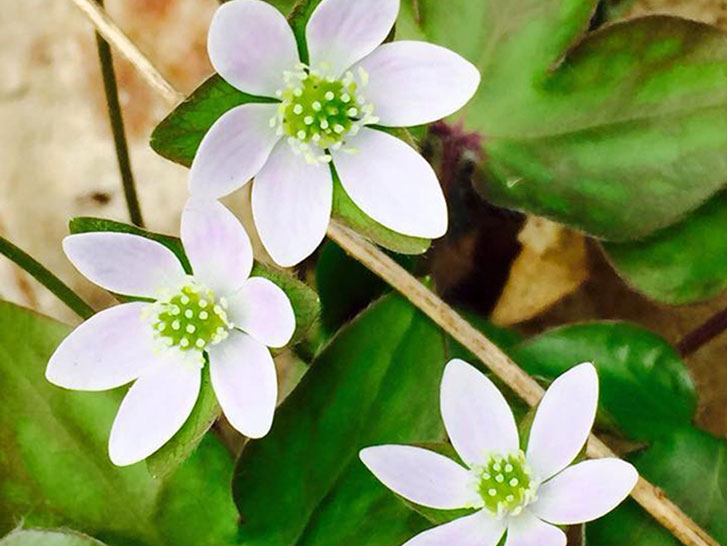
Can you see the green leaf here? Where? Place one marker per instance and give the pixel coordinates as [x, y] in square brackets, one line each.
[206, 411]
[48, 538]
[684, 263]
[691, 467]
[618, 136]
[179, 135]
[376, 382]
[645, 389]
[54, 467]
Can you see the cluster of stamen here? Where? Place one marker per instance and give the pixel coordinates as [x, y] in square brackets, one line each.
[505, 484]
[316, 112]
[190, 319]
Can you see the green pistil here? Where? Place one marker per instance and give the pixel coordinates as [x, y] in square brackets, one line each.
[191, 319]
[319, 110]
[505, 484]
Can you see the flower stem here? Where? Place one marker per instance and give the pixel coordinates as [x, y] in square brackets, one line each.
[116, 120]
[46, 278]
[645, 493]
[703, 334]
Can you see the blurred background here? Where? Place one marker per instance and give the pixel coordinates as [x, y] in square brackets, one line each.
[57, 161]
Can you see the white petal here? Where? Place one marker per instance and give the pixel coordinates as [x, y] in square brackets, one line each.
[216, 244]
[422, 476]
[477, 418]
[262, 309]
[251, 44]
[233, 151]
[585, 491]
[244, 380]
[154, 409]
[124, 263]
[412, 83]
[341, 32]
[291, 204]
[563, 421]
[476, 530]
[527, 530]
[393, 184]
[108, 350]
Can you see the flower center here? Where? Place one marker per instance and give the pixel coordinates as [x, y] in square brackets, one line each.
[317, 112]
[505, 484]
[191, 318]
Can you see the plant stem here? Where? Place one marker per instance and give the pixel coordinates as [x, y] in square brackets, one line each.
[116, 120]
[46, 278]
[650, 497]
[703, 334]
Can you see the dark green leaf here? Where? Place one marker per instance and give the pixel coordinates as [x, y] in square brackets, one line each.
[691, 467]
[376, 382]
[48, 538]
[645, 389]
[55, 471]
[305, 305]
[621, 137]
[684, 263]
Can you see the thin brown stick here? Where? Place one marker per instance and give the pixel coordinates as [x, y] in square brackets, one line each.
[650, 497]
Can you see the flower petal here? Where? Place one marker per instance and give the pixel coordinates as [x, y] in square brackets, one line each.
[412, 83]
[263, 310]
[563, 421]
[291, 204]
[108, 350]
[479, 529]
[124, 263]
[527, 530]
[477, 418]
[392, 183]
[216, 244]
[341, 32]
[422, 476]
[251, 44]
[244, 379]
[585, 491]
[233, 151]
[154, 409]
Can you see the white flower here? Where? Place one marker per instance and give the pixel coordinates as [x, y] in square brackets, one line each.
[218, 312]
[524, 493]
[321, 116]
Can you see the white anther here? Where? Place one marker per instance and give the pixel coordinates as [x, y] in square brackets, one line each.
[492, 492]
[301, 134]
[330, 95]
[184, 342]
[298, 109]
[351, 112]
[514, 482]
[190, 328]
[499, 478]
[188, 313]
[317, 106]
[200, 343]
[176, 325]
[308, 120]
[204, 315]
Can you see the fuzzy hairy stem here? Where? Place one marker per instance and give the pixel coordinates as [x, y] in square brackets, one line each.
[650, 497]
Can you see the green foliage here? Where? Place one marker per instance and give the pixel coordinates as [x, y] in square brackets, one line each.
[617, 135]
[55, 471]
[48, 538]
[646, 390]
[206, 410]
[684, 263]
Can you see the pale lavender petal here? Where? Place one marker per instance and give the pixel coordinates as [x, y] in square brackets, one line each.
[291, 204]
[250, 45]
[392, 183]
[124, 263]
[479, 529]
[412, 83]
[421, 476]
[154, 409]
[216, 244]
[585, 491]
[233, 151]
[340, 32]
[244, 380]
[477, 418]
[262, 309]
[527, 530]
[108, 350]
[563, 421]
